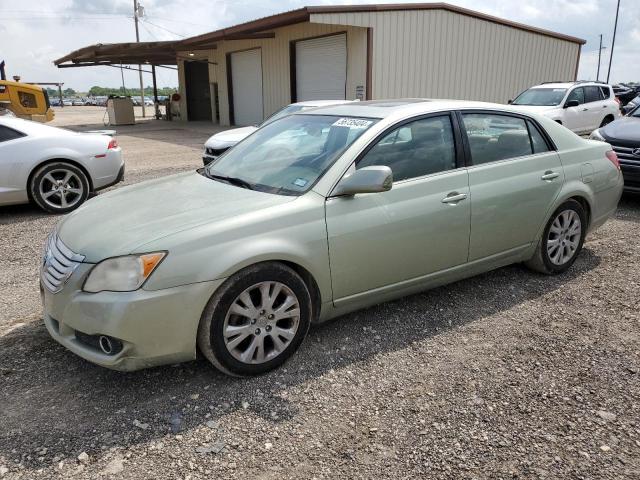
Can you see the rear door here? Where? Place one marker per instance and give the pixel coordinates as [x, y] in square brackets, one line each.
[418, 227]
[514, 178]
[594, 101]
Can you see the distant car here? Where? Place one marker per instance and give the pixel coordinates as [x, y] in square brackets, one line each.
[624, 93]
[219, 143]
[78, 102]
[631, 105]
[67, 102]
[624, 136]
[53, 167]
[579, 106]
[54, 102]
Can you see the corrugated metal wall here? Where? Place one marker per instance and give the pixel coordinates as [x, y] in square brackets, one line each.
[441, 54]
[276, 83]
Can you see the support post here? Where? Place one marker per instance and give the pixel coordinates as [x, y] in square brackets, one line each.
[155, 93]
[60, 95]
[135, 17]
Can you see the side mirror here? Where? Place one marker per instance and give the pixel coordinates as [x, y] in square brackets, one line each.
[366, 180]
[509, 102]
[571, 103]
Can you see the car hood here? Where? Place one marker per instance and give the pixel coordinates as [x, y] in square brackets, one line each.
[117, 222]
[229, 138]
[626, 130]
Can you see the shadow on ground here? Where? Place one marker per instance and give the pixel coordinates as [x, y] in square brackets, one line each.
[53, 399]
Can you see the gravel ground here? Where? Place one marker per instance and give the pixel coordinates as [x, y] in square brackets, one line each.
[506, 375]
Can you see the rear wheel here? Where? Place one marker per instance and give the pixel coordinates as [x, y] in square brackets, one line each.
[561, 240]
[256, 320]
[59, 187]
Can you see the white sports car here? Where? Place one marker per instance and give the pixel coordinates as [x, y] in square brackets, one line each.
[53, 167]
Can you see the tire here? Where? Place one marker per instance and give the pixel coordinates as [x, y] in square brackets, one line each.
[246, 325]
[59, 187]
[550, 260]
[606, 121]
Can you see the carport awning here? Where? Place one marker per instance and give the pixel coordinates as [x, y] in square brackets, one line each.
[155, 53]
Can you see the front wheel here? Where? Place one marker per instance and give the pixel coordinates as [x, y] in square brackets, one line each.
[256, 320]
[561, 240]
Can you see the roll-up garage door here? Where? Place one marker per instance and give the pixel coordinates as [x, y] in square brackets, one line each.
[321, 68]
[246, 81]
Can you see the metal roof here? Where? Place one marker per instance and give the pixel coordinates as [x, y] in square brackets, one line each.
[165, 53]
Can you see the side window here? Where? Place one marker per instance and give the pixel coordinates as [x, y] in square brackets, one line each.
[592, 94]
[27, 100]
[537, 140]
[494, 137]
[415, 149]
[606, 92]
[7, 134]
[577, 94]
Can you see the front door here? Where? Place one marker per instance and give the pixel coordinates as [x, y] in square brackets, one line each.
[575, 118]
[514, 180]
[380, 239]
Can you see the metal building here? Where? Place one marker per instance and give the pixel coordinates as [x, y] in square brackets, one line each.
[242, 74]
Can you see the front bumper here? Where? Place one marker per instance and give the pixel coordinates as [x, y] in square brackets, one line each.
[155, 327]
[631, 174]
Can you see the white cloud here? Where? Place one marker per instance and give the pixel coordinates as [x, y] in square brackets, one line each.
[43, 31]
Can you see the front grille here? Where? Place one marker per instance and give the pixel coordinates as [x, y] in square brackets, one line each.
[58, 263]
[626, 153]
[214, 152]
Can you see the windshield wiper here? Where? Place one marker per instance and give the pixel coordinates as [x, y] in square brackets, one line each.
[232, 180]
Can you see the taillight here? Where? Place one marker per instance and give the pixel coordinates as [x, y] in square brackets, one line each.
[113, 143]
[613, 158]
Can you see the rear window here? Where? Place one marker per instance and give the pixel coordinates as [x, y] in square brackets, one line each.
[7, 134]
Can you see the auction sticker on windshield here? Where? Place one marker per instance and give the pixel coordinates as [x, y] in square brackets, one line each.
[352, 123]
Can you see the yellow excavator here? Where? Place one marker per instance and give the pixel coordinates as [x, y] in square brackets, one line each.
[24, 100]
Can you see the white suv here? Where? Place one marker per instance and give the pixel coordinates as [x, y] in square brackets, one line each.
[580, 106]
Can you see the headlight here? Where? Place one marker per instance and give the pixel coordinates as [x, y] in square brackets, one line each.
[122, 274]
[595, 135]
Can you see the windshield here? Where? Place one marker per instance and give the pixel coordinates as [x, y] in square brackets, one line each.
[289, 155]
[541, 97]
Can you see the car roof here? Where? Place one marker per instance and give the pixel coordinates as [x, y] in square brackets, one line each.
[570, 84]
[406, 106]
[321, 103]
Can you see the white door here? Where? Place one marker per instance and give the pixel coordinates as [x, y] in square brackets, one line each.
[246, 84]
[321, 68]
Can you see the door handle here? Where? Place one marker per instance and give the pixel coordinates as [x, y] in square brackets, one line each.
[604, 106]
[549, 175]
[585, 109]
[454, 197]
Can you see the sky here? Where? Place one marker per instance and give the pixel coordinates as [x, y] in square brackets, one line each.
[33, 33]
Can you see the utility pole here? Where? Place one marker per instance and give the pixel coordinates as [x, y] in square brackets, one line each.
[599, 56]
[613, 41]
[136, 12]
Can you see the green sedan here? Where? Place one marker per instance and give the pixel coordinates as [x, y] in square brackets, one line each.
[313, 216]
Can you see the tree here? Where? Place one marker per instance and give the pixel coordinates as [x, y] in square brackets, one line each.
[69, 91]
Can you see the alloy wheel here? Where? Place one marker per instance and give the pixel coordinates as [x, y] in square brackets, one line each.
[61, 188]
[261, 322]
[564, 237]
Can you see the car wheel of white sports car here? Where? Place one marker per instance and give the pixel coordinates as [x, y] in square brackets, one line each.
[256, 320]
[59, 187]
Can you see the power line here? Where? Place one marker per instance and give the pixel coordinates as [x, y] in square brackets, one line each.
[163, 28]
